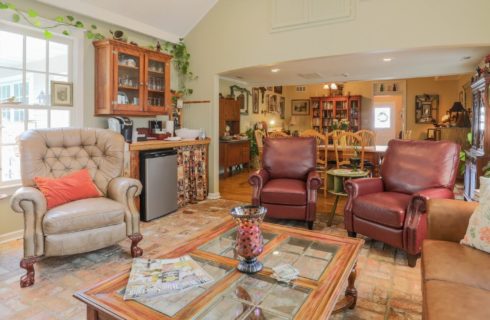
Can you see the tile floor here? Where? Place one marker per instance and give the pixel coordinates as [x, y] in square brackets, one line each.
[387, 287]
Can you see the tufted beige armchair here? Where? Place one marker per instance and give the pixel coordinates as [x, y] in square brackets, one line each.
[82, 225]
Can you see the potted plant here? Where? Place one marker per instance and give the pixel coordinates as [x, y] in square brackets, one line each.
[355, 161]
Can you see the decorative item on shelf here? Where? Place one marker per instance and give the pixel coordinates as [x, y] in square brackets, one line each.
[249, 241]
[118, 35]
[158, 47]
[133, 43]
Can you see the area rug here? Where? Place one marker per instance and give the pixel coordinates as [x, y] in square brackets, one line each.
[387, 287]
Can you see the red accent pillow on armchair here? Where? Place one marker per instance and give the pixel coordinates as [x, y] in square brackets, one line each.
[74, 186]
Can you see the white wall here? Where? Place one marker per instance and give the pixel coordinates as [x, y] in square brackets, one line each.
[236, 34]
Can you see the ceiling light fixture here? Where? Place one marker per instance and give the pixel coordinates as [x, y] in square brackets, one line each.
[275, 70]
[387, 59]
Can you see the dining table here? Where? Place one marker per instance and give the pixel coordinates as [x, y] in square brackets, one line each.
[373, 154]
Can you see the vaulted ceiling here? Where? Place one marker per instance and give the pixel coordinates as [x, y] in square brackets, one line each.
[163, 19]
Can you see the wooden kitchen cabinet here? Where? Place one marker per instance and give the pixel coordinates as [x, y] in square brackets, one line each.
[233, 153]
[130, 80]
[229, 114]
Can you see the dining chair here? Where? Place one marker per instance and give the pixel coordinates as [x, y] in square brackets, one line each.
[278, 134]
[259, 139]
[321, 156]
[368, 137]
[348, 145]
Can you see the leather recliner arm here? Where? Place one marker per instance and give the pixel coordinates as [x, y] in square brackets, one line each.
[32, 203]
[257, 180]
[415, 227]
[356, 188]
[448, 219]
[313, 183]
[125, 190]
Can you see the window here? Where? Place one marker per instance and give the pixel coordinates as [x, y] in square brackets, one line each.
[382, 118]
[28, 63]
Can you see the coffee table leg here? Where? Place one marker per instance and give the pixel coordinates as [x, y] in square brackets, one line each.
[332, 214]
[351, 289]
[350, 299]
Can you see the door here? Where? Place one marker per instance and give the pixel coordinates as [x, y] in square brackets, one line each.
[157, 83]
[387, 118]
[128, 75]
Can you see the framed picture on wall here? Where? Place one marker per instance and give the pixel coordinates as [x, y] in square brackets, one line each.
[272, 103]
[266, 104]
[255, 100]
[300, 107]
[278, 89]
[243, 103]
[426, 108]
[61, 93]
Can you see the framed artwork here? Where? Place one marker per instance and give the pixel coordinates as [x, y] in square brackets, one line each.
[269, 88]
[243, 103]
[61, 93]
[272, 107]
[255, 100]
[282, 107]
[300, 107]
[426, 108]
[278, 89]
[266, 102]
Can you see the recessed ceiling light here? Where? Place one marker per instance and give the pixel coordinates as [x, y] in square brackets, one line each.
[387, 59]
[275, 70]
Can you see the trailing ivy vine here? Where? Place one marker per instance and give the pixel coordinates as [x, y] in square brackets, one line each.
[32, 18]
[182, 64]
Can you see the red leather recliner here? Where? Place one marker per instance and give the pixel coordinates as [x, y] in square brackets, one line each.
[288, 182]
[392, 208]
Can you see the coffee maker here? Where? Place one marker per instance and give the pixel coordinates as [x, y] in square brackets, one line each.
[122, 125]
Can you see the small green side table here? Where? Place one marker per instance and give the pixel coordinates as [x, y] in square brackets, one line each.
[335, 185]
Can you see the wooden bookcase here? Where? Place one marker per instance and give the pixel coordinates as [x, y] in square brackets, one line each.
[478, 155]
[130, 80]
[325, 109]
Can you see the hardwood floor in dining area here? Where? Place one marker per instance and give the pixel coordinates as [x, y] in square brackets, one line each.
[236, 187]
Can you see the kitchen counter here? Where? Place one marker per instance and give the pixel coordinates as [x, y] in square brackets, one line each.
[162, 144]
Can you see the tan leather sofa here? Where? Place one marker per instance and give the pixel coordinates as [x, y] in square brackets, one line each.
[455, 278]
[83, 225]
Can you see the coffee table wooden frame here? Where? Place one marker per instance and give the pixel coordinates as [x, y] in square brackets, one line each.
[103, 301]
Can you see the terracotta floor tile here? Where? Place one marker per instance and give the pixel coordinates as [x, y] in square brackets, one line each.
[387, 287]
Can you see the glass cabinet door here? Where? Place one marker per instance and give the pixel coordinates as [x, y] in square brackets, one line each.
[128, 75]
[157, 84]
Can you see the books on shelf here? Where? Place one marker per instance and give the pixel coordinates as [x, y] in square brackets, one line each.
[164, 277]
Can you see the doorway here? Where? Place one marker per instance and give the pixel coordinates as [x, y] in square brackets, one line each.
[387, 118]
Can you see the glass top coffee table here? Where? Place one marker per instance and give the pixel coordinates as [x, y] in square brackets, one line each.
[325, 263]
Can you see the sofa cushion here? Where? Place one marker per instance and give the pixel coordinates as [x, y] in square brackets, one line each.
[452, 262]
[83, 215]
[386, 208]
[452, 301]
[284, 191]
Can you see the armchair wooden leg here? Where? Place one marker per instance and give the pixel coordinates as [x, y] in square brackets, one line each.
[135, 250]
[27, 280]
[412, 259]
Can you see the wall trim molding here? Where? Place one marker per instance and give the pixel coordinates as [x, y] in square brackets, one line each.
[214, 196]
[14, 235]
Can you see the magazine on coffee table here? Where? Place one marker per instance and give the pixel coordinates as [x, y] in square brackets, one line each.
[162, 277]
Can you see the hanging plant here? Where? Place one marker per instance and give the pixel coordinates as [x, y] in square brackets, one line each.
[182, 64]
[32, 18]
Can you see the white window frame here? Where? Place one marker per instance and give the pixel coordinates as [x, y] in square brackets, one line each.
[75, 44]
